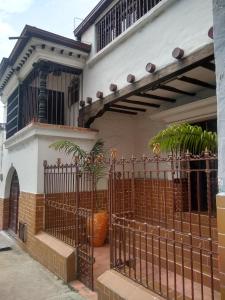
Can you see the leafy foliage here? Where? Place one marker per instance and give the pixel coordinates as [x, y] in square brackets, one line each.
[183, 137]
[90, 162]
[69, 147]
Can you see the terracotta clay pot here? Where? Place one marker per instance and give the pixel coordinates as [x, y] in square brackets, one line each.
[100, 229]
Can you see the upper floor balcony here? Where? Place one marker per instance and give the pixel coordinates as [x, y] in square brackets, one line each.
[50, 94]
[41, 81]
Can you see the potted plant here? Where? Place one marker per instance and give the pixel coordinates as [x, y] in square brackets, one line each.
[92, 162]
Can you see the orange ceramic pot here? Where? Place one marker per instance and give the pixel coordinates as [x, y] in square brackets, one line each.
[100, 223]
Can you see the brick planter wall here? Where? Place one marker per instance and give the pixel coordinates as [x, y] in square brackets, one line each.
[31, 212]
[58, 257]
[55, 219]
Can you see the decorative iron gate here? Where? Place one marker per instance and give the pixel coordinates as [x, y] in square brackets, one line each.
[69, 198]
[163, 227]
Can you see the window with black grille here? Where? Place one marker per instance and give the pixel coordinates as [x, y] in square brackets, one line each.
[12, 114]
[119, 18]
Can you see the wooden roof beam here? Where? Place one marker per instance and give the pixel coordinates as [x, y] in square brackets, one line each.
[197, 82]
[140, 103]
[156, 97]
[121, 111]
[165, 74]
[175, 90]
[209, 66]
[128, 107]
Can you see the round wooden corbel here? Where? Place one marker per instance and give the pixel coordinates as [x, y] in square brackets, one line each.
[150, 68]
[82, 103]
[210, 33]
[113, 87]
[89, 100]
[130, 78]
[178, 53]
[99, 94]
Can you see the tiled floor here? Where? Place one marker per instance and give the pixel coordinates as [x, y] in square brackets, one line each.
[102, 261]
[154, 274]
[101, 265]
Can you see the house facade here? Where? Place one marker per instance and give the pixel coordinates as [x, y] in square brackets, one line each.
[134, 68]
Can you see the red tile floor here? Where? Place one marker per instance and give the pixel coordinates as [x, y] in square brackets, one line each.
[102, 261]
[101, 265]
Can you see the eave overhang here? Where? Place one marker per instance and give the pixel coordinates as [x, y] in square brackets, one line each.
[91, 17]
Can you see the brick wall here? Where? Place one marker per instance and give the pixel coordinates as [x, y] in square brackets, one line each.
[160, 202]
[221, 239]
[53, 254]
[56, 217]
[4, 213]
[31, 212]
[159, 246]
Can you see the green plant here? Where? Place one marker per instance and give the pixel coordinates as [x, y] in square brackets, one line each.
[182, 137]
[92, 161]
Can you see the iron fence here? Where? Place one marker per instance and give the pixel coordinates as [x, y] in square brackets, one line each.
[69, 200]
[163, 228]
[163, 231]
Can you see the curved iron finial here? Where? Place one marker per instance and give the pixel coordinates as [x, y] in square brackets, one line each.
[58, 162]
[156, 149]
[114, 153]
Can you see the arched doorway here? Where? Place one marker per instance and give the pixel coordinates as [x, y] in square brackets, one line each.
[13, 202]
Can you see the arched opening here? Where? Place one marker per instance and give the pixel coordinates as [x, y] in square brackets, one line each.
[13, 202]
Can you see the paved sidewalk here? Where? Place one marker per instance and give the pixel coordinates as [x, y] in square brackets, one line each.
[22, 278]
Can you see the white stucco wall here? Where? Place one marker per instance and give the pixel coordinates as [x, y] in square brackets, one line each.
[22, 158]
[129, 135]
[27, 150]
[117, 131]
[177, 23]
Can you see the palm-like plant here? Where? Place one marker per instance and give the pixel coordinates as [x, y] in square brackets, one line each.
[182, 137]
[92, 161]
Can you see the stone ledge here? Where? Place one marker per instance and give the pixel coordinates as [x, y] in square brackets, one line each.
[58, 246]
[36, 129]
[112, 285]
[55, 255]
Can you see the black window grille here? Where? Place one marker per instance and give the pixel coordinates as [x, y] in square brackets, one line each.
[120, 17]
[63, 92]
[12, 114]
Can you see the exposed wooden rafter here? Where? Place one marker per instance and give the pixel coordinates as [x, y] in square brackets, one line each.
[197, 82]
[140, 103]
[156, 97]
[128, 107]
[120, 111]
[175, 90]
[209, 66]
[161, 76]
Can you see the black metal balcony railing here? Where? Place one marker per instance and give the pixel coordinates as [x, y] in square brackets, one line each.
[62, 93]
[119, 18]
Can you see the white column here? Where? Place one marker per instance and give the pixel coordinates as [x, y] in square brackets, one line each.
[219, 45]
